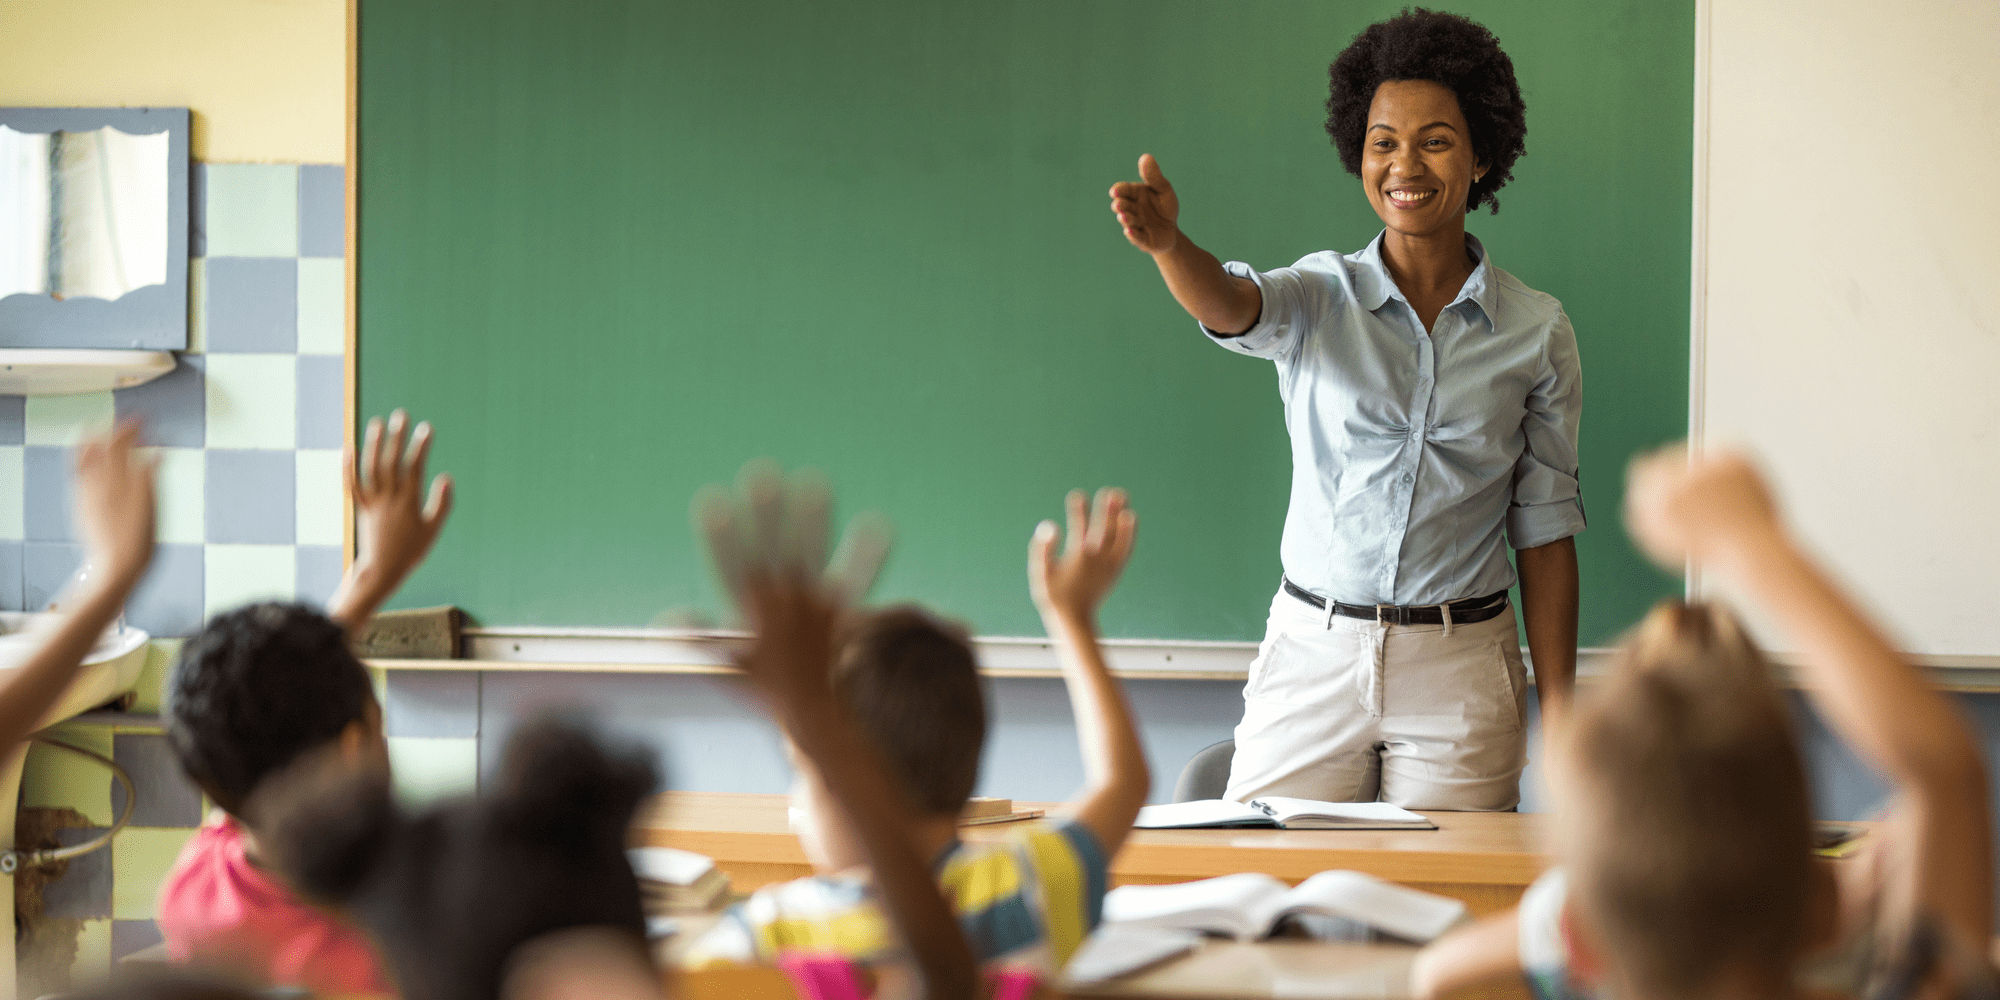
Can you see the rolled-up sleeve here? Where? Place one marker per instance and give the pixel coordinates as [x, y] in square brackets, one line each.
[1280, 324]
[1547, 504]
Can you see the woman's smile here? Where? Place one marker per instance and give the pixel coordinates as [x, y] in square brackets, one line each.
[1410, 197]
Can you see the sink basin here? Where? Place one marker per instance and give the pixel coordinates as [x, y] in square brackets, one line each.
[111, 669]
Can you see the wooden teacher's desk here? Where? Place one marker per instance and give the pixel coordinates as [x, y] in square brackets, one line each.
[1485, 859]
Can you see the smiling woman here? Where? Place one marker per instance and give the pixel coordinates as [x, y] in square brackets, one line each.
[1432, 401]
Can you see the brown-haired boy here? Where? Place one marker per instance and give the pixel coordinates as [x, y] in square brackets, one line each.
[1683, 810]
[911, 685]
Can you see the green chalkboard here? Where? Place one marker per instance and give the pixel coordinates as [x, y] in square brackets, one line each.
[614, 248]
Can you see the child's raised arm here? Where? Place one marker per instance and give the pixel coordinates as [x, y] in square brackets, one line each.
[769, 548]
[114, 510]
[1717, 510]
[394, 521]
[1067, 587]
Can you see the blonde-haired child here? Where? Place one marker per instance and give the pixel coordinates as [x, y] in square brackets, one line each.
[1683, 811]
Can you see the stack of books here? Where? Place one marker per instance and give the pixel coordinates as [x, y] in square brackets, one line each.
[675, 881]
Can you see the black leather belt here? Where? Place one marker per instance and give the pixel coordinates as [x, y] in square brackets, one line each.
[1465, 612]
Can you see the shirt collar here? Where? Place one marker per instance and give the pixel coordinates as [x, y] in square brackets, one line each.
[1373, 286]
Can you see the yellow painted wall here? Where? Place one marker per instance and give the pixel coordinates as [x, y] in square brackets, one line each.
[267, 79]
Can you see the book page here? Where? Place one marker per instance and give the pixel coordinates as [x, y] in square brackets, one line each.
[1115, 950]
[1286, 809]
[1410, 914]
[1237, 905]
[1203, 812]
[669, 864]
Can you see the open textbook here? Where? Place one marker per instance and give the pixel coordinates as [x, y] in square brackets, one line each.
[1251, 905]
[1281, 811]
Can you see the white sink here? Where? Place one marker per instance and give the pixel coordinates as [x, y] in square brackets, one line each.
[111, 669]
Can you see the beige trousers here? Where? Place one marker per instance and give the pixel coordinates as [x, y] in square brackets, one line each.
[1346, 710]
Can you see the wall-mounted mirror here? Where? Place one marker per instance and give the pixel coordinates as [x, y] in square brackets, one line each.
[93, 227]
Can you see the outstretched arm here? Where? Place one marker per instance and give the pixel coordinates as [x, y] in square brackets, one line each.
[1717, 510]
[114, 510]
[395, 523]
[1067, 588]
[769, 550]
[1149, 212]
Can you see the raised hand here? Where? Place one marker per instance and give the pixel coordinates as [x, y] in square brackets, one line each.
[395, 521]
[114, 505]
[1707, 507]
[1148, 210]
[114, 512]
[767, 540]
[1100, 541]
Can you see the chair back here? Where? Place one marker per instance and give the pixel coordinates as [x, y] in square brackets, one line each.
[1206, 775]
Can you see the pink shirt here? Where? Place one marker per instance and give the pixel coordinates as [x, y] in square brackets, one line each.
[219, 909]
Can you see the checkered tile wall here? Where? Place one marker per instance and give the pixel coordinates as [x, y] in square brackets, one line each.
[248, 427]
[248, 432]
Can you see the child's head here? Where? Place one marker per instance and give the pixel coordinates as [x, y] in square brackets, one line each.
[1685, 818]
[455, 893]
[261, 686]
[912, 686]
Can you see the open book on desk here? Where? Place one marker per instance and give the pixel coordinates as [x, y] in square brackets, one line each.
[1280, 811]
[1252, 905]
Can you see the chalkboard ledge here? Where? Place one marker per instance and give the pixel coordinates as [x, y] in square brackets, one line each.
[689, 652]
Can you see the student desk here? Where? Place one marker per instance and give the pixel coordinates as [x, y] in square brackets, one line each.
[1485, 859]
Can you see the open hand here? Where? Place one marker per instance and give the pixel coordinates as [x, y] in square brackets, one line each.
[113, 504]
[396, 522]
[1705, 508]
[1100, 541]
[767, 540]
[1149, 209]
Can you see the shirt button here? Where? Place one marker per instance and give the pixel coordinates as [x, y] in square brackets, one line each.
[1407, 479]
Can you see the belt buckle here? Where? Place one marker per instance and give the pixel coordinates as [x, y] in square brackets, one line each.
[1395, 619]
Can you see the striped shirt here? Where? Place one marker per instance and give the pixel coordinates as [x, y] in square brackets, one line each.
[1025, 902]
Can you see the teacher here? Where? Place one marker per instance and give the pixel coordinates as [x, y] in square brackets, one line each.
[1432, 401]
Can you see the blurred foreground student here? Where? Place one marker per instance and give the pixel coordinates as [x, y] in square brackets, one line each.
[112, 508]
[911, 686]
[473, 899]
[259, 688]
[770, 552]
[1684, 823]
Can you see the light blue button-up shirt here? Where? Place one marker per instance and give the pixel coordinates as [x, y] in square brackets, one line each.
[1413, 452]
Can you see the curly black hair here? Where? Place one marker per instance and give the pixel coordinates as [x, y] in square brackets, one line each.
[255, 690]
[453, 891]
[1421, 44]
